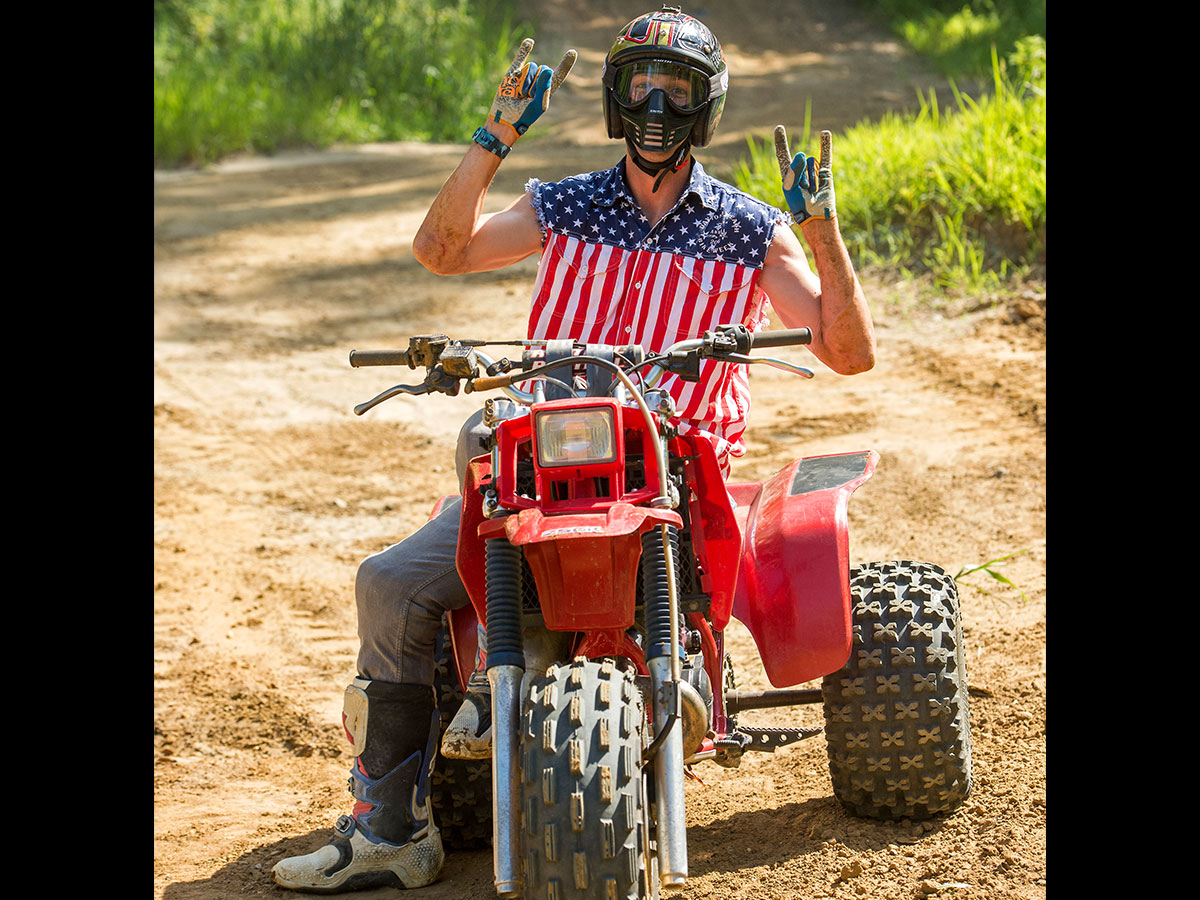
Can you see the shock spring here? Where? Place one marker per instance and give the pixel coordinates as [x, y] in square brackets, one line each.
[503, 573]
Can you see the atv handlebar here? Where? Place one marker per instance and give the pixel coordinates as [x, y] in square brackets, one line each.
[360, 358]
[787, 338]
[449, 362]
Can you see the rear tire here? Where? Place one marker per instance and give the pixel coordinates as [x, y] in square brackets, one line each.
[897, 723]
[582, 793]
[460, 790]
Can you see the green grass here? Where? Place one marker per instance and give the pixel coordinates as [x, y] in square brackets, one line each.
[988, 568]
[259, 75]
[957, 195]
[957, 35]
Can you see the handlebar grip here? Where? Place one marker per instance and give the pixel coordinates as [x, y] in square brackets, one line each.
[786, 338]
[491, 382]
[379, 358]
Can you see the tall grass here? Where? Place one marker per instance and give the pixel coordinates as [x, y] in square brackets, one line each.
[958, 195]
[233, 75]
[957, 35]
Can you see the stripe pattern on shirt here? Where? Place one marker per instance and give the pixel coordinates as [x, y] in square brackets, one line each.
[606, 276]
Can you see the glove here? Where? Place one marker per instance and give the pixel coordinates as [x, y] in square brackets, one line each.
[807, 189]
[525, 92]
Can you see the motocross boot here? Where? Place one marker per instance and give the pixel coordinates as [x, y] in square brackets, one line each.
[469, 735]
[390, 837]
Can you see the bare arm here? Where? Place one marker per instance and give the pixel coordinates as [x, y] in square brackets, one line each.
[456, 237]
[830, 302]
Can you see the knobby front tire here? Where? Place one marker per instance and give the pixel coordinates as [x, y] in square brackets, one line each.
[583, 806]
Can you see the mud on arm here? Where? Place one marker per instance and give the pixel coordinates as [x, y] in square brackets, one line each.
[456, 237]
[830, 301]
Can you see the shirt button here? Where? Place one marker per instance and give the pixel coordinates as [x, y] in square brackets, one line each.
[628, 329]
[638, 286]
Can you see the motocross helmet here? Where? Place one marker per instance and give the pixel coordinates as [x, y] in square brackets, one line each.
[665, 81]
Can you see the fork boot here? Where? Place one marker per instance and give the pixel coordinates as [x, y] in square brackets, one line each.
[390, 837]
[469, 734]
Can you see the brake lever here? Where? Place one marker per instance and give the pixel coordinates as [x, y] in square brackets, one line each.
[437, 380]
[770, 361]
[392, 392]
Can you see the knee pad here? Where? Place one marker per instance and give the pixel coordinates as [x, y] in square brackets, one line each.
[386, 721]
[354, 714]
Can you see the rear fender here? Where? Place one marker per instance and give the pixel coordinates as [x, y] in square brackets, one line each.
[464, 640]
[793, 593]
[464, 636]
[469, 560]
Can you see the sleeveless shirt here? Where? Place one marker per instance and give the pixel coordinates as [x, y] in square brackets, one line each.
[606, 276]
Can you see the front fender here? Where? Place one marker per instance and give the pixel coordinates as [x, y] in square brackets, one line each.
[586, 565]
[793, 591]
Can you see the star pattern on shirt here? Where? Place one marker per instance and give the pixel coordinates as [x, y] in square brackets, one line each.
[712, 220]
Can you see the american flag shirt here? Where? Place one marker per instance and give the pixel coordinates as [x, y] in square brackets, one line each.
[606, 276]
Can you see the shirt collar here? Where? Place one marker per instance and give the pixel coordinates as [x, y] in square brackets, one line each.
[610, 186]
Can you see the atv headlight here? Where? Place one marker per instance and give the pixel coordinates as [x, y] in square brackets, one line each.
[576, 437]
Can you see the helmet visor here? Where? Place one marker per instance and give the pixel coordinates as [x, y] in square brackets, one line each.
[686, 89]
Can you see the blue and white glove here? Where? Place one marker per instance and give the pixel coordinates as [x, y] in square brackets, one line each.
[807, 189]
[525, 92]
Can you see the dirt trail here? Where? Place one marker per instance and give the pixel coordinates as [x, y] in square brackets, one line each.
[269, 491]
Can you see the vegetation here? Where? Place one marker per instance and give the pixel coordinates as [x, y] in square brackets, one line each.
[956, 195]
[988, 568]
[957, 35]
[257, 75]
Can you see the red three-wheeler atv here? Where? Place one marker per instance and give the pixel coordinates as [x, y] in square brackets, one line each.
[604, 554]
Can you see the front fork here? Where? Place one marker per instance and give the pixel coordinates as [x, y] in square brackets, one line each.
[506, 669]
[508, 649]
[660, 554]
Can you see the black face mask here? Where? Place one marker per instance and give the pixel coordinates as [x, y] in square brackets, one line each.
[655, 124]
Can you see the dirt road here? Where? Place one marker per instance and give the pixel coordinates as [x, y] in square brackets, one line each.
[269, 491]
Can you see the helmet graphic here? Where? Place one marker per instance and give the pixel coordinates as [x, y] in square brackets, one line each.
[665, 80]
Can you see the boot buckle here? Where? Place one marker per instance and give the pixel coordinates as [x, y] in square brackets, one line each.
[344, 827]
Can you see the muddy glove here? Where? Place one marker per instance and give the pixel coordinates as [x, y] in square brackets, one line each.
[807, 189]
[525, 92]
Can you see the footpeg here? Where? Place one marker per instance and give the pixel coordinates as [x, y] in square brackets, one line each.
[469, 735]
[766, 740]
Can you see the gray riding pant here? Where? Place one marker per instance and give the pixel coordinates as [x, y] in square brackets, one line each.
[403, 591]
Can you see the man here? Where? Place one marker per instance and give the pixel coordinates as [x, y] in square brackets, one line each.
[649, 252]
